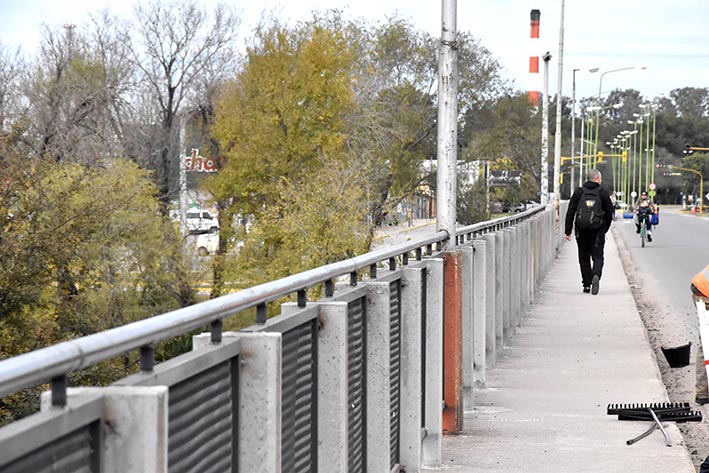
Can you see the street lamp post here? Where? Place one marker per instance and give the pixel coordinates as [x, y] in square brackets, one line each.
[600, 84]
[544, 185]
[598, 110]
[573, 132]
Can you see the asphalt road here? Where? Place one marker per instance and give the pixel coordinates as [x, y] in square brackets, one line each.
[680, 248]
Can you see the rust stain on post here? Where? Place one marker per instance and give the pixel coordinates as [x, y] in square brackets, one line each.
[452, 344]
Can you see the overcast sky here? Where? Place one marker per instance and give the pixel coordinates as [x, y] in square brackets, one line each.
[670, 38]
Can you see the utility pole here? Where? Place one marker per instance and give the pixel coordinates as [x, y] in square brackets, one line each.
[573, 133]
[447, 124]
[557, 133]
[544, 198]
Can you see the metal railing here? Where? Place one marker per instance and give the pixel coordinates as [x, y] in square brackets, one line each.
[56, 362]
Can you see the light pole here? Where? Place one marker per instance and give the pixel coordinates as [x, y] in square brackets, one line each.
[573, 132]
[544, 185]
[654, 113]
[598, 110]
[557, 133]
[573, 129]
[600, 84]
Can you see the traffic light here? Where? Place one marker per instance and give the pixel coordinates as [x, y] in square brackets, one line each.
[624, 156]
[600, 156]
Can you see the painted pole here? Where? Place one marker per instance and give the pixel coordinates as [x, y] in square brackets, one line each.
[545, 133]
[447, 124]
[533, 86]
[557, 133]
[573, 133]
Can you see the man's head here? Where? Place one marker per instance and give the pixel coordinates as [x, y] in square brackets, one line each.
[594, 175]
[643, 195]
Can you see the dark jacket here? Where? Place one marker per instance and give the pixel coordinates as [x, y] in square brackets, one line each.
[574, 204]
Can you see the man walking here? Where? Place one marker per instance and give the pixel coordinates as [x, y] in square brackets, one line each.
[590, 212]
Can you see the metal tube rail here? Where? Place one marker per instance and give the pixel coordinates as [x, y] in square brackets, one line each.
[39, 366]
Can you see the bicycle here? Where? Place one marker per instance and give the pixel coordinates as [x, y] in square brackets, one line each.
[643, 230]
[643, 219]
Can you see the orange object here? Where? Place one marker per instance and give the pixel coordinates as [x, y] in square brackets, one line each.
[452, 343]
[701, 281]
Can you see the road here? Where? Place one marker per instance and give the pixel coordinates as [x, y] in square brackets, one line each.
[680, 248]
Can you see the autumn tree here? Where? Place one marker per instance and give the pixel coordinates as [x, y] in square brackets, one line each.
[281, 127]
[84, 249]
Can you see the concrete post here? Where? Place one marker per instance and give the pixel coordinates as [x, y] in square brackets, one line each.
[468, 338]
[479, 312]
[410, 433]
[507, 286]
[524, 260]
[332, 387]
[515, 315]
[499, 290]
[378, 390]
[138, 416]
[490, 310]
[259, 398]
[431, 448]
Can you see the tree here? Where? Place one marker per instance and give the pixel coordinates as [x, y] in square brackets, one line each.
[508, 137]
[691, 102]
[175, 49]
[280, 125]
[84, 249]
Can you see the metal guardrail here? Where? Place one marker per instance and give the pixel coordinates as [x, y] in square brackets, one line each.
[56, 361]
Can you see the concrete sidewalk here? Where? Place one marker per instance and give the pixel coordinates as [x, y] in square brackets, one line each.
[544, 406]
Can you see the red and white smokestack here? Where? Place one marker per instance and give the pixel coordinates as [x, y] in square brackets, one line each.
[533, 86]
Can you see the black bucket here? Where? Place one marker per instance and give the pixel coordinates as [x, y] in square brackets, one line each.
[677, 357]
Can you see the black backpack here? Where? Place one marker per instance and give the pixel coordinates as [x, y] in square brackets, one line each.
[589, 214]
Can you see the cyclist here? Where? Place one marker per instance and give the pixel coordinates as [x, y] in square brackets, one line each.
[644, 208]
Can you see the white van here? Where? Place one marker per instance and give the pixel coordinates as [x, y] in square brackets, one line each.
[206, 243]
[201, 221]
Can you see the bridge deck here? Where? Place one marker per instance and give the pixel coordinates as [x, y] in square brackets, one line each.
[543, 408]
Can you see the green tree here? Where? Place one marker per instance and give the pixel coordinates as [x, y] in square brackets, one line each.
[84, 249]
[281, 127]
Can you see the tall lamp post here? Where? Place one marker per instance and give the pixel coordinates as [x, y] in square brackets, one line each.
[573, 131]
[600, 84]
[598, 109]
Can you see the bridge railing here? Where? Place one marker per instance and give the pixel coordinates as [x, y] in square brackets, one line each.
[353, 381]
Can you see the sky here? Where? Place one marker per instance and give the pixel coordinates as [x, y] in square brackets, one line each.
[670, 39]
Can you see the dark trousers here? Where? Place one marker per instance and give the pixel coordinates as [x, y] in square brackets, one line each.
[590, 245]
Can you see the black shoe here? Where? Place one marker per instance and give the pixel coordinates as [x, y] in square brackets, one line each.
[586, 289]
[701, 400]
[594, 284]
[649, 237]
[637, 228]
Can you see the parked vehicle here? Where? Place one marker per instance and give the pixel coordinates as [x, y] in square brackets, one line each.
[201, 221]
[206, 243]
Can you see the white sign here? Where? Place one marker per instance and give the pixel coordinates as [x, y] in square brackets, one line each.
[196, 163]
[633, 194]
[652, 186]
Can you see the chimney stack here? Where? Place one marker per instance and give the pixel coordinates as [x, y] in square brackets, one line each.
[533, 86]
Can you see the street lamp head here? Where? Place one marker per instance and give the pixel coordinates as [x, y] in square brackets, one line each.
[618, 105]
[593, 69]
